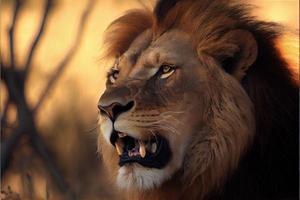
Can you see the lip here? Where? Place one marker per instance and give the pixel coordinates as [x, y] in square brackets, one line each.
[153, 153]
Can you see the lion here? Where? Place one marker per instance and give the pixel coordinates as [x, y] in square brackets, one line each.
[199, 104]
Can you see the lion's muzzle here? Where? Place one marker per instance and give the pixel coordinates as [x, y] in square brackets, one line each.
[152, 152]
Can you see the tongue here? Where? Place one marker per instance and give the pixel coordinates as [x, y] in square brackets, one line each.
[138, 150]
[133, 152]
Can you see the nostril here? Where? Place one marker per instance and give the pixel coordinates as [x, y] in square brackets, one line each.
[102, 109]
[115, 109]
[118, 108]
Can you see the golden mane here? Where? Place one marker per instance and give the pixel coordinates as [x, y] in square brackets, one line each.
[120, 34]
[205, 21]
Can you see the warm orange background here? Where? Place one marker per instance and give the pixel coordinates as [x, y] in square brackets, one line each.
[70, 109]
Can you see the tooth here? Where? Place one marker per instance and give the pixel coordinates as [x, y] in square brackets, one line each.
[148, 147]
[142, 149]
[121, 135]
[119, 147]
[153, 147]
[130, 154]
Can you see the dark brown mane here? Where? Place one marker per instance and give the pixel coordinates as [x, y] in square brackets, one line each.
[274, 92]
[270, 167]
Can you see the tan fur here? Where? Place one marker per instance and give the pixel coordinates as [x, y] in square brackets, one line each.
[231, 129]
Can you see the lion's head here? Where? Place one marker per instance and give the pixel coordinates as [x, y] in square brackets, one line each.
[174, 109]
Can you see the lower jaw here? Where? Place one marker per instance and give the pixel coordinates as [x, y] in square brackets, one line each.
[135, 178]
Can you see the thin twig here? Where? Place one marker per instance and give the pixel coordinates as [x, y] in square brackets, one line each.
[7, 147]
[5, 73]
[48, 5]
[12, 31]
[143, 4]
[40, 147]
[16, 94]
[47, 192]
[14, 82]
[27, 183]
[61, 66]
[7, 102]
[4, 114]
[147, 4]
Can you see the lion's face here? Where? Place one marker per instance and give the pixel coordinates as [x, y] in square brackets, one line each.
[157, 110]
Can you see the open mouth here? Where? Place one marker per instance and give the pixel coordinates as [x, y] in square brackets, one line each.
[154, 152]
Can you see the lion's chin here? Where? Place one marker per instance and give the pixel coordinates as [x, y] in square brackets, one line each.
[133, 176]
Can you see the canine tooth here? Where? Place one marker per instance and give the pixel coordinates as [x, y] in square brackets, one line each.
[121, 135]
[153, 147]
[119, 147]
[130, 154]
[142, 149]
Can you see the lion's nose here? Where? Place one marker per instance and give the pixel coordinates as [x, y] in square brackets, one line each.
[115, 109]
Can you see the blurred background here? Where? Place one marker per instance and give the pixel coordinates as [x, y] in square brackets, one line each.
[66, 121]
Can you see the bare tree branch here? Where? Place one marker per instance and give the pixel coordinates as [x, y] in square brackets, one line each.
[7, 148]
[16, 95]
[40, 147]
[8, 145]
[61, 66]
[4, 114]
[11, 32]
[48, 5]
[15, 80]
[4, 77]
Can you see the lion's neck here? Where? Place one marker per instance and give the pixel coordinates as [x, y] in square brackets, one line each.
[171, 190]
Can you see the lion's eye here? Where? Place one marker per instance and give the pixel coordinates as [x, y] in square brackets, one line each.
[166, 71]
[114, 76]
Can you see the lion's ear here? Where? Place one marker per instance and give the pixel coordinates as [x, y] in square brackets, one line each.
[236, 51]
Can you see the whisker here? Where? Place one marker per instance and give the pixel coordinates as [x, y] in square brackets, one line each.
[92, 129]
[171, 112]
